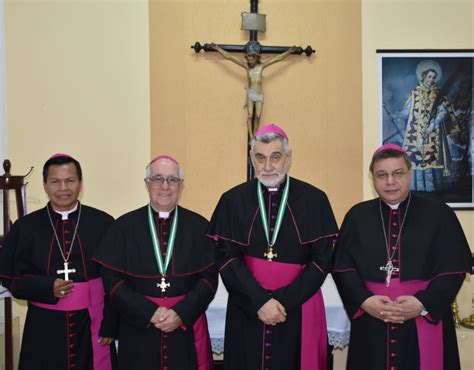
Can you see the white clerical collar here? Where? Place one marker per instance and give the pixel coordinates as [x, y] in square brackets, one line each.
[393, 206]
[162, 214]
[65, 214]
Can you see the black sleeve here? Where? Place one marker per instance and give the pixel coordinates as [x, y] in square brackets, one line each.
[132, 306]
[16, 262]
[110, 321]
[320, 263]
[199, 297]
[238, 279]
[439, 295]
[310, 280]
[349, 284]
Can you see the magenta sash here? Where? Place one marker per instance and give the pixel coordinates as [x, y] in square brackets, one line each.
[202, 342]
[272, 275]
[430, 336]
[90, 295]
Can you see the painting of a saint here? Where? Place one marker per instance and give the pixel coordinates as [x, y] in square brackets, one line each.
[427, 109]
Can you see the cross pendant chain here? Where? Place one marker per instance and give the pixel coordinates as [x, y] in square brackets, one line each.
[66, 271]
[163, 284]
[270, 255]
[390, 269]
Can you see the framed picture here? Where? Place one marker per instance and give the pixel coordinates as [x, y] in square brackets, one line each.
[425, 106]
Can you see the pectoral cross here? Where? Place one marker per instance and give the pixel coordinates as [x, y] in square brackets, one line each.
[270, 255]
[66, 271]
[163, 284]
[390, 269]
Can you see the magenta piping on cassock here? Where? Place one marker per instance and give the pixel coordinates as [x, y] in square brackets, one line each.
[202, 342]
[272, 275]
[430, 336]
[90, 295]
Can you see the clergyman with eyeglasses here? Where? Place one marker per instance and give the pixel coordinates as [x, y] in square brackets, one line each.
[400, 260]
[159, 273]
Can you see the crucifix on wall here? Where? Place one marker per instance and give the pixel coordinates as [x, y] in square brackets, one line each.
[252, 63]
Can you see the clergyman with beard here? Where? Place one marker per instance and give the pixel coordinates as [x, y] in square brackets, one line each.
[274, 237]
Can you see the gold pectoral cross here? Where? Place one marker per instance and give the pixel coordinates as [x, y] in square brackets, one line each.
[270, 255]
[163, 284]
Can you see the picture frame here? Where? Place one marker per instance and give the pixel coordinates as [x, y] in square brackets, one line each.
[425, 106]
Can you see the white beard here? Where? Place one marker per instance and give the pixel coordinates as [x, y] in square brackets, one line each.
[272, 183]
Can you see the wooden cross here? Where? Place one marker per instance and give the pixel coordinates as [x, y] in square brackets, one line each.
[252, 22]
[163, 284]
[66, 271]
[270, 255]
[389, 268]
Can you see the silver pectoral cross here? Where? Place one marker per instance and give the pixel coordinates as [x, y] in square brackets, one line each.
[390, 269]
[66, 271]
[163, 284]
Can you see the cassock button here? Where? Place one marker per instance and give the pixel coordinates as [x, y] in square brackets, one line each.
[267, 344]
[271, 229]
[268, 331]
[394, 235]
[165, 243]
[273, 217]
[393, 327]
[393, 341]
[274, 204]
[268, 357]
[393, 354]
[394, 224]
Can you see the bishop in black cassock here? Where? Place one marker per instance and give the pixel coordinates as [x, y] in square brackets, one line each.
[160, 274]
[274, 237]
[399, 263]
[67, 326]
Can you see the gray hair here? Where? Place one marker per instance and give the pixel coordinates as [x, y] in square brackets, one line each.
[269, 137]
[148, 173]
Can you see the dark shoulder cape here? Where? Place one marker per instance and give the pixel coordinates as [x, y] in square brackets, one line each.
[238, 210]
[30, 238]
[432, 241]
[128, 248]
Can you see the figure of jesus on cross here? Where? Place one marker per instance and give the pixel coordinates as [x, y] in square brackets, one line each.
[254, 67]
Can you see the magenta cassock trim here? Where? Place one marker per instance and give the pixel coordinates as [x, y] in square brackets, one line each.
[90, 295]
[272, 275]
[202, 342]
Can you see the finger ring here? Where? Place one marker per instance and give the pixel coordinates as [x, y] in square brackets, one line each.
[62, 292]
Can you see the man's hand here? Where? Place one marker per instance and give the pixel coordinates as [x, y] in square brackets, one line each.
[409, 306]
[168, 321]
[62, 289]
[382, 308]
[272, 312]
[155, 319]
[105, 341]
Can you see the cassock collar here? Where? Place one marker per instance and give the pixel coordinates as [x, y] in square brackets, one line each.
[402, 205]
[64, 214]
[163, 216]
[277, 189]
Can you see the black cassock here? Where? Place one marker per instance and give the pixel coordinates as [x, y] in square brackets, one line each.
[432, 251]
[53, 339]
[305, 239]
[131, 275]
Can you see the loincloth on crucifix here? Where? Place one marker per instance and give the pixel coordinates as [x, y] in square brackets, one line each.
[252, 95]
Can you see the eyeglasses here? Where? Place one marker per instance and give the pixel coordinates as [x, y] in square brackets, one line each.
[396, 175]
[160, 180]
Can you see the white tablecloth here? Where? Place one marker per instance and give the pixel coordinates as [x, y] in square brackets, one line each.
[337, 322]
